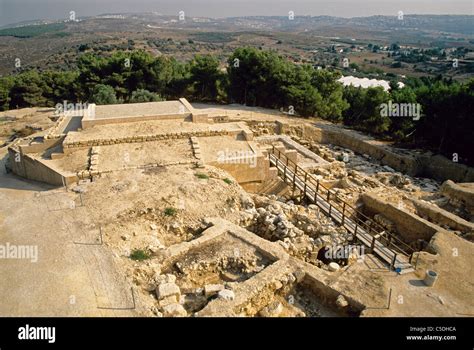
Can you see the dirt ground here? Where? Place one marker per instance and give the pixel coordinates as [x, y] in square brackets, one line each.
[23, 122]
[67, 279]
[115, 157]
[75, 161]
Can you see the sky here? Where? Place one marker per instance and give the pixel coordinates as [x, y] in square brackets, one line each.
[13, 11]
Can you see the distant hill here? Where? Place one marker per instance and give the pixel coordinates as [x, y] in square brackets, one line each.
[30, 31]
[462, 24]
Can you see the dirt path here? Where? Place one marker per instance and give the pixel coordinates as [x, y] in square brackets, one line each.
[68, 279]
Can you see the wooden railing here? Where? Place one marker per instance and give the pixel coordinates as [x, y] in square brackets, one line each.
[293, 172]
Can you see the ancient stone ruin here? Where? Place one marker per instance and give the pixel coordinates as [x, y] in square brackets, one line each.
[247, 212]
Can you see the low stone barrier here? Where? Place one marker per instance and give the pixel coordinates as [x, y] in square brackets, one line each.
[88, 174]
[409, 226]
[460, 193]
[424, 164]
[53, 132]
[68, 144]
[443, 217]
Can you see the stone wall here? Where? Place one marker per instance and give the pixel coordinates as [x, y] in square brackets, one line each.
[38, 147]
[363, 145]
[200, 118]
[289, 143]
[69, 145]
[463, 193]
[441, 168]
[245, 173]
[408, 225]
[256, 292]
[262, 128]
[433, 166]
[443, 217]
[36, 169]
[88, 123]
[186, 104]
[54, 132]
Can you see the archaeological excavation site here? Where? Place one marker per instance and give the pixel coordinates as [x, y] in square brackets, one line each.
[173, 209]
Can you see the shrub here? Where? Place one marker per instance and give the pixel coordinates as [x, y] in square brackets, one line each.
[104, 95]
[202, 176]
[170, 211]
[142, 95]
[139, 255]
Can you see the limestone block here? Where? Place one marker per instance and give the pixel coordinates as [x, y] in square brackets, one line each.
[274, 309]
[211, 289]
[168, 278]
[167, 289]
[341, 301]
[172, 299]
[174, 310]
[226, 294]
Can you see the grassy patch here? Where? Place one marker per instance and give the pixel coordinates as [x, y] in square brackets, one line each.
[214, 37]
[202, 176]
[139, 255]
[61, 34]
[228, 181]
[32, 30]
[170, 211]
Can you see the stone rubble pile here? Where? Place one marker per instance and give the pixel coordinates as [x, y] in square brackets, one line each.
[335, 170]
[274, 309]
[385, 223]
[341, 302]
[281, 285]
[231, 266]
[395, 179]
[262, 128]
[301, 231]
[370, 168]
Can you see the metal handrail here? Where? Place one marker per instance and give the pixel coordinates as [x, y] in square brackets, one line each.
[326, 192]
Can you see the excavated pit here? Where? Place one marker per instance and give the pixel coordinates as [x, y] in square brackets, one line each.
[306, 298]
[223, 262]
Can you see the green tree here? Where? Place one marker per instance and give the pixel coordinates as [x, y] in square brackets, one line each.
[142, 95]
[333, 104]
[258, 78]
[59, 86]
[103, 95]
[6, 84]
[305, 99]
[364, 111]
[27, 90]
[204, 77]
[177, 79]
[400, 128]
[447, 126]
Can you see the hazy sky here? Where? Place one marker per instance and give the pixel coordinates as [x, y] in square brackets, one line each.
[12, 11]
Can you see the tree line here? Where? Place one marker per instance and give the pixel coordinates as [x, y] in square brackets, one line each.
[255, 77]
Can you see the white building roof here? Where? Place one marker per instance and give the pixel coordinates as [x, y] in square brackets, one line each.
[366, 83]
